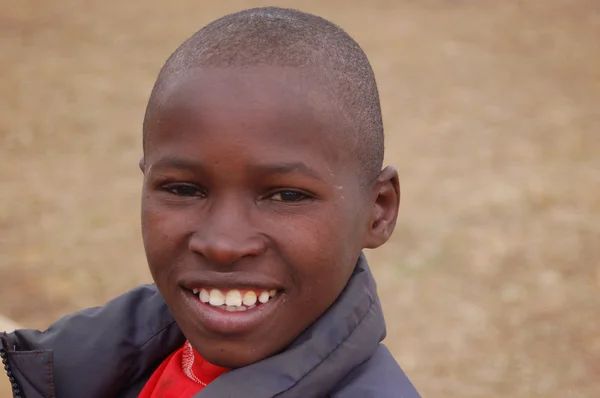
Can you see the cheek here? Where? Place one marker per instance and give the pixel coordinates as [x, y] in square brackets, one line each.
[323, 249]
[163, 233]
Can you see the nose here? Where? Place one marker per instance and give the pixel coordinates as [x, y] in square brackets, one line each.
[226, 236]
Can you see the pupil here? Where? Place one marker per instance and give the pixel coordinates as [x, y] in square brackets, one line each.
[187, 190]
[292, 196]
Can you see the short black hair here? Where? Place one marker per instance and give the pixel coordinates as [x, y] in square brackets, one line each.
[291, 38]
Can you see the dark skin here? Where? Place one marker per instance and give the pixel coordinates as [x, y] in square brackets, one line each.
[246, 182]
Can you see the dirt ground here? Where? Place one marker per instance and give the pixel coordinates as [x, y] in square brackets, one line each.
[491, 283]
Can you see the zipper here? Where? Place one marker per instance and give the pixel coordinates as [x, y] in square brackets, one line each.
[15, 386]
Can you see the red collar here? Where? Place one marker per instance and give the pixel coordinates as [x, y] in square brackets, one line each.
[183, 374]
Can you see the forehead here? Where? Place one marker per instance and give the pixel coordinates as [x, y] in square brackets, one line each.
[276, 110]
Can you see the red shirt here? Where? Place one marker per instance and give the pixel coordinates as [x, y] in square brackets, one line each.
[183, 374]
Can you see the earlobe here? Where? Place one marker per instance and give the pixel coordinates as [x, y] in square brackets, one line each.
[385, 208]
[142, 165]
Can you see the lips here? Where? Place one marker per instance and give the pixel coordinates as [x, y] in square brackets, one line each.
[232, 311]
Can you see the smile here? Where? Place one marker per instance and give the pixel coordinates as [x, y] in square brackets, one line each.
[232, 311]
[235, 299]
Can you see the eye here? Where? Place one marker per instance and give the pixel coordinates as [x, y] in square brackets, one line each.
[185, 190]
[289, 196]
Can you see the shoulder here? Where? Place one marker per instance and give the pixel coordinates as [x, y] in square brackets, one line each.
[140, 306]
[126, 323]
[379, 377]
[90, 353]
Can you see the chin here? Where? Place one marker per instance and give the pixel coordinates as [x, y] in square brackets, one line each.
[229, 357]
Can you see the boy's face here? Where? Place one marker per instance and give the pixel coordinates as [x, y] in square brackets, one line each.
[252, 215]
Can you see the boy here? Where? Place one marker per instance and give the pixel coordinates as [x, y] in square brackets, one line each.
[263, 183]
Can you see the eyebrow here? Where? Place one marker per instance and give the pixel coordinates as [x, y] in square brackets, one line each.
[176, 163]
[286, 168]
[266, 168]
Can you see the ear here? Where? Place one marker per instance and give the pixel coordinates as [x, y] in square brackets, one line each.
[385, 208]
[142, 164]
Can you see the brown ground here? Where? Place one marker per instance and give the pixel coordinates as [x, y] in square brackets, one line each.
[492, 108]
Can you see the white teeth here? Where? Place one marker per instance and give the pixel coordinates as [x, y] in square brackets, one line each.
[204, 296]
[233, 298]
[249, 298]
[264, 297]
[195, 291]
[216, 298]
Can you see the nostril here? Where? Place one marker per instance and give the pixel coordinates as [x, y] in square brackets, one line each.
[226, 250]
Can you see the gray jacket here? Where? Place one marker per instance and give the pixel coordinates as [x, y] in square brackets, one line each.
[111, 351]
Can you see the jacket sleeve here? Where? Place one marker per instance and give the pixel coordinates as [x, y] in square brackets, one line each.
[379, 377]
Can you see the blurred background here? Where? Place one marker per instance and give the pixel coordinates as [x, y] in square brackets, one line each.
[491, 283]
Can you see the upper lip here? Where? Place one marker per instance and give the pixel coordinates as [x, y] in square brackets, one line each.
[228, 281]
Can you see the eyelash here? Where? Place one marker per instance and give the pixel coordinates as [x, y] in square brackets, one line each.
[175, 189]
[300, 196]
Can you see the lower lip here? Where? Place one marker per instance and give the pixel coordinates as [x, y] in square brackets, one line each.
[221, 321]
